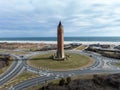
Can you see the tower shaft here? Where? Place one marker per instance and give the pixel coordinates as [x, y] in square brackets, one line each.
[60, 42]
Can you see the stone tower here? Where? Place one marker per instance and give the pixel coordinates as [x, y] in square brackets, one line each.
[60, 41]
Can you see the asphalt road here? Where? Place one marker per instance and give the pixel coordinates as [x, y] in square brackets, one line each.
[15, 69]
[101, 65]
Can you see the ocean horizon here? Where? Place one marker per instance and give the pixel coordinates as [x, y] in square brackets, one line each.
[72, 39]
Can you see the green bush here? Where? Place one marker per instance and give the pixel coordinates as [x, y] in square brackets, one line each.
[62, 82]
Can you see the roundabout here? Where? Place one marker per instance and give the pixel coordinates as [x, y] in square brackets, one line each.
[74, 62]
[100, 65]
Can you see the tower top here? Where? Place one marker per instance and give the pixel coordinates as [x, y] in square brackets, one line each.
[60, 24]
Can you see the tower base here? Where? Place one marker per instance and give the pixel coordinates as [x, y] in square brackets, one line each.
[55, 57]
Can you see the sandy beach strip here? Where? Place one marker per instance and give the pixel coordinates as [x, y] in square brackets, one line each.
[65, 42]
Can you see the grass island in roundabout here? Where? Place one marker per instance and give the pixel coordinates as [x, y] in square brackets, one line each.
[75, 61]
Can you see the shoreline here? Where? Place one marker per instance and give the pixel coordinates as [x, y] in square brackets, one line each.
[65, 42]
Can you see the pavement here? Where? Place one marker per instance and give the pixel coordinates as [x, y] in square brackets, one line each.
[101, 65]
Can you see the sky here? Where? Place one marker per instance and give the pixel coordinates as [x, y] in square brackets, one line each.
[39, 18]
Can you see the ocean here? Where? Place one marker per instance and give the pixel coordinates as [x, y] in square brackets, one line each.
[72, 39]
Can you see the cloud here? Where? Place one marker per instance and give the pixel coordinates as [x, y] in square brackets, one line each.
[40, 17]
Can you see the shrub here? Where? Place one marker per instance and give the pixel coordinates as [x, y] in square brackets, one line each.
[68, 80]
[62, 82]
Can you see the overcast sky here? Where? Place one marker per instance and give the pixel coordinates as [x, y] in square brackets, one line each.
[39, 18]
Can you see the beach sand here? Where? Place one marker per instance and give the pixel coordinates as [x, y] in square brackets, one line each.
[65, 42]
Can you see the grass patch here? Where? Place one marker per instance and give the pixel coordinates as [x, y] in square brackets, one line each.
[75, 61]
[82, 47]
[5, 68]
[20, 52]
[4, 50]
[110, 53]
[2, 70]
[117, 64]
[22, 77]
[37, 87]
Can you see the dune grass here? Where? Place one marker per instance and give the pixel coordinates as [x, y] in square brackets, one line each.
[82, 47]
